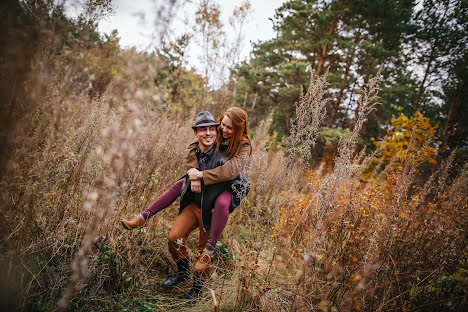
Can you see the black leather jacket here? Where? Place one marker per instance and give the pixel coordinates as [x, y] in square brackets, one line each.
[239, 187]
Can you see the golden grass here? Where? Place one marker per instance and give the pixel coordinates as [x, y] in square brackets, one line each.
[303, 239]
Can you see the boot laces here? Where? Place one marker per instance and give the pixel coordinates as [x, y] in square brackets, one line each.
[203, 256]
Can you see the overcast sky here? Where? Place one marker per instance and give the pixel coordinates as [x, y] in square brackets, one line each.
[135, 22]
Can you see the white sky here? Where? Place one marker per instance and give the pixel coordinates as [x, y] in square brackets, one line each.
[135, 22]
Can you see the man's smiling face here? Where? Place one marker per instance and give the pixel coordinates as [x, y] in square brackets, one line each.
[206, 137]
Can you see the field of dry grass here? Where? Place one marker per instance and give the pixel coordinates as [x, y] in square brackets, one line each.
[304, 239]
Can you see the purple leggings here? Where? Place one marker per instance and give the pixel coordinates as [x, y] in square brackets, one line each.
[220, 211]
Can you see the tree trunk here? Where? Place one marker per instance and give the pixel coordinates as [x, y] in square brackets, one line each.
[337, 102]
[175, 90]
[254, 101]
[454, 106]
[441, 23]
[421, 86]
[234, 91]
[325, 47]
[225, 96]
[312, 62]
[245, 100]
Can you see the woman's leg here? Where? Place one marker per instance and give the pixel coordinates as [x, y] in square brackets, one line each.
[219, 219]
[163, 201]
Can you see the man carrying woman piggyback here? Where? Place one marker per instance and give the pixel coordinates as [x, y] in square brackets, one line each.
[211, 189]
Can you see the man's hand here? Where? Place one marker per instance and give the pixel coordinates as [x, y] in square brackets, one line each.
[196, 186]
[194, 174]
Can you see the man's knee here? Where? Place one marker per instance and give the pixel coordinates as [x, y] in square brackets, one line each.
[174, 238]
[176, 245]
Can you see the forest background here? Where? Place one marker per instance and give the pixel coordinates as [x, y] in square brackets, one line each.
[357, 111]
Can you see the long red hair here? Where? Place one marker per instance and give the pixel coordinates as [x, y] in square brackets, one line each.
[240, 133]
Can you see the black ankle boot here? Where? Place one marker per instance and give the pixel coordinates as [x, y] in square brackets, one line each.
[181, 275]
[196, 290]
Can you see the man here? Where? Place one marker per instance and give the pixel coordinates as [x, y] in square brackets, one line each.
[196, 204]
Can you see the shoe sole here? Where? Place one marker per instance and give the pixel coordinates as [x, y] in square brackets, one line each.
[175, 285]
[125, 226]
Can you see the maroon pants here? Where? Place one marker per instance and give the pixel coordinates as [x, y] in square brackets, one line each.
[220, 211]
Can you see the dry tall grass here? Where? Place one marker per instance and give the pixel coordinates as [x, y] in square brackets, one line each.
[303, 240]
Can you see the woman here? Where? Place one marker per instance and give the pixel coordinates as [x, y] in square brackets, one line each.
[234, 141]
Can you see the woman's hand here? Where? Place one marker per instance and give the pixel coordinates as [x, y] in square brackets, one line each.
[194, 174]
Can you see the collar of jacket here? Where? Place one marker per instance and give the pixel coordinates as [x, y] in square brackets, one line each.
[207, 154]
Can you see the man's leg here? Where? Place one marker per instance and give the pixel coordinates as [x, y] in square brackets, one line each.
[200, 273]
[183, 225]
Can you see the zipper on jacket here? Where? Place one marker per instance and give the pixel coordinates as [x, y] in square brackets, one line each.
[201, 211]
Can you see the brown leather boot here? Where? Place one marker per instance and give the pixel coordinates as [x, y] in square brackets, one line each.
[135, 222]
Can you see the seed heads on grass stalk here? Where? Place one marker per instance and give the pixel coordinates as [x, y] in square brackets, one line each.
[346, 168]
[310, 113]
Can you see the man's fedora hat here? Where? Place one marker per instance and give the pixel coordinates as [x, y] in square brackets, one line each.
[204, 119]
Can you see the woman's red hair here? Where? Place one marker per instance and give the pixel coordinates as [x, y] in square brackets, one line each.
[238, 118]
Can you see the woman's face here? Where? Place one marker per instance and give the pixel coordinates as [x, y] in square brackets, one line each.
[226, 127]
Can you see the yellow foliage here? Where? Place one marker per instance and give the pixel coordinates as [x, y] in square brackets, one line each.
[408, 140]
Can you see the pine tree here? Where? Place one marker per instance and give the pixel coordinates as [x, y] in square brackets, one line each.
[348, 40]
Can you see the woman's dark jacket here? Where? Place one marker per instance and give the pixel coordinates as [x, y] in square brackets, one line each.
[239, 188]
